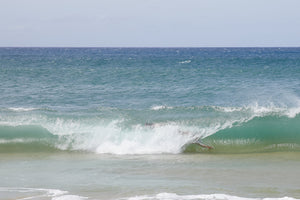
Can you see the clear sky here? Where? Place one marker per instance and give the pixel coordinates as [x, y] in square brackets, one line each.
[149, 23]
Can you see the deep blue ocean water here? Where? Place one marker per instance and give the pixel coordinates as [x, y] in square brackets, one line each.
[137, 78]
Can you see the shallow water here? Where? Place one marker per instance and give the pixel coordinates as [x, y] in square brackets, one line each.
[115, 177]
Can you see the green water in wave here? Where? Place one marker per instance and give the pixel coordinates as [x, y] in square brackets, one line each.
[261, 134]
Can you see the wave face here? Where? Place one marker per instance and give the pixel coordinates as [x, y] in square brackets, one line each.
[156, 130]
[260, 134]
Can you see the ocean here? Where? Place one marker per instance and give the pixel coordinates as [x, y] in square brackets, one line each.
[149, 123]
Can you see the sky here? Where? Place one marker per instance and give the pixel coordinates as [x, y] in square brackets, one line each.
[149, 23]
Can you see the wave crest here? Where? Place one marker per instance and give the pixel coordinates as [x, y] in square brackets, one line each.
[227, 129]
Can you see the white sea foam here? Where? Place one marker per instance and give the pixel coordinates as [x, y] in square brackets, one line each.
[227, 109]
[256, 110]
[263, 110]
[69, 197]
[284, 111]
[110, 138]
[40, 193]
[159, 139]
[21, 109]
[173, 196]
[18, 140]
[160, 107]
[185, 62]
[292, 112]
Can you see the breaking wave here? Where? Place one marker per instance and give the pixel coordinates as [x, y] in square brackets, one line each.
[156, 130]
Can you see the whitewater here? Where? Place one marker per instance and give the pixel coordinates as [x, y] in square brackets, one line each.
[24, 129]
[136, 123]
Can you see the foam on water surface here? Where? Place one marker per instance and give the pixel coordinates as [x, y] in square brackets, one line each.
[54, 194]
[36, 194]
[174, 196]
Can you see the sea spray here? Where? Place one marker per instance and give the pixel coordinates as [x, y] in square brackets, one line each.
[226, 129]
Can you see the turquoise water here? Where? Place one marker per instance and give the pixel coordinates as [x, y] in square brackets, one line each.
[77, 114]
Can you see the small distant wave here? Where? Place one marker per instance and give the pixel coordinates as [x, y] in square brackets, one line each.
[253, 109]
[160, 107]
[20, 109]
[174, 196]
[185, 62]
[257, 110]
[23, 109]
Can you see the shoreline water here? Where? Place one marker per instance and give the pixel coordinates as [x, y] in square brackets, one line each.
[272, 175]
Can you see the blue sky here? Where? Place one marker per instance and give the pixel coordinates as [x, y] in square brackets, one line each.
[149, 23]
